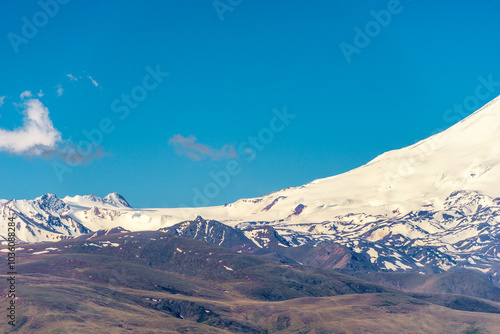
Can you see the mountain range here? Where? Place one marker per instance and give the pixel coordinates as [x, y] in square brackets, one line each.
[426, 208]
[408, 241]
[156, 282]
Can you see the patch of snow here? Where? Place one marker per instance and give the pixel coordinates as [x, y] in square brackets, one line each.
[41, 252]
[373, 255]
[390, 266]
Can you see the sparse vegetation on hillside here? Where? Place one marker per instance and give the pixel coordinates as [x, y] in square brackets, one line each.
[150, 282]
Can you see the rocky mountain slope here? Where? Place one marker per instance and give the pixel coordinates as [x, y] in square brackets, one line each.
[145, 282]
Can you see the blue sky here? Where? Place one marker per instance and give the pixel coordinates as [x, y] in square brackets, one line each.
[235, 68]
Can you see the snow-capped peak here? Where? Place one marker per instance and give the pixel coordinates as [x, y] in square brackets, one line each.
[466, 156]
[51, 203]
[113, 199]
[48, 203]
[93, 198]
[117, 200]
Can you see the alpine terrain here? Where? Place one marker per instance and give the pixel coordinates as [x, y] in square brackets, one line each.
[426, 208]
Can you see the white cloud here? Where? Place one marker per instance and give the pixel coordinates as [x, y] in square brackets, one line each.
[95, 83]
[2, 99]
[40, 93]
[60, 90]
[25, 94]
[189, 147]
[36, 136]
[75, 78]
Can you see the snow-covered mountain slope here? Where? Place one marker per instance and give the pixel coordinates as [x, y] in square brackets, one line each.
[434, 203]
[48, 218]
[464, 234]
[44, 218]
[464, 157]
